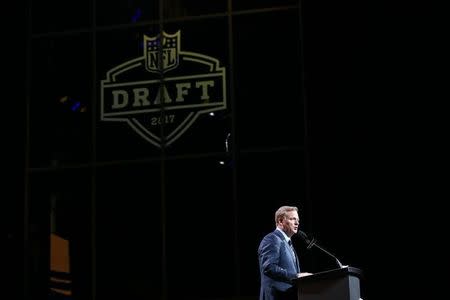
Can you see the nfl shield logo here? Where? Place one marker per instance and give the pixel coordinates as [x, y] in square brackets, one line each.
[165, 52]
[196, 86]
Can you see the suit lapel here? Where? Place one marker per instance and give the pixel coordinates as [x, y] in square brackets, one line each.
[288, 248]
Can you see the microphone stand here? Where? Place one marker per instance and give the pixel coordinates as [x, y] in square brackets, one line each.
[313, 243]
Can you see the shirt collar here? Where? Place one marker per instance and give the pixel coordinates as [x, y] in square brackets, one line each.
[284, 234]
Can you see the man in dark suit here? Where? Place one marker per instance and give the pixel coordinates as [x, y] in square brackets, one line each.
[278, 262]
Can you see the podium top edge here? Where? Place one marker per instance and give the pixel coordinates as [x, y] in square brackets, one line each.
[333, 273]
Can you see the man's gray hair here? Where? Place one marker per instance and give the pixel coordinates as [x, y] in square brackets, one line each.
[281, 213]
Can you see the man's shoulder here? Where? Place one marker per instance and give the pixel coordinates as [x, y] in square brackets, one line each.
[272, 240]
[275, 235]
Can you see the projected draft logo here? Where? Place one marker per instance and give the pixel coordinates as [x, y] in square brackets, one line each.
[164, 91]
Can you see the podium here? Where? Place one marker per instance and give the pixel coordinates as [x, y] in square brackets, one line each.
[335, 284]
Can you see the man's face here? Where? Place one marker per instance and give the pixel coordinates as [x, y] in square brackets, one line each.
[290, 223]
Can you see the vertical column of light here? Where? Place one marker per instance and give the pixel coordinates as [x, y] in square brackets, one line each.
[306, 141]
[93, 164]
[234, 151]
[162, 158]
[26, 200]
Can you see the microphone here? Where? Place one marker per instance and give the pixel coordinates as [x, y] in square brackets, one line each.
[313, 243]
[304, 236]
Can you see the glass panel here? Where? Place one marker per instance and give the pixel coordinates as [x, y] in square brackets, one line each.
[60, 101]
[52, 15]
[126, 12]
[273, 179]
[178, 8]
[199, 108]
[252, 4]
[267, 79]
[129, 244]
[60, 235]
[197, 201]
[127, 105]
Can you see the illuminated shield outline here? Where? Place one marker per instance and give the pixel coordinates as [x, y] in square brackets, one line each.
[112, 81]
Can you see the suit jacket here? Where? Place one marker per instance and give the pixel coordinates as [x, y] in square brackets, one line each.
[278, 266]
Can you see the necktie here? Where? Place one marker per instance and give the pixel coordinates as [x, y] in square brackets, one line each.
[294, 255]
[292, 248]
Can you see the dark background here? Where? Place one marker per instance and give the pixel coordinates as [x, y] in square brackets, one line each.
[374, 74]
[371, 71]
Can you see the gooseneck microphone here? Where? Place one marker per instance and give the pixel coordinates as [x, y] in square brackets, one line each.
[313, 243]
